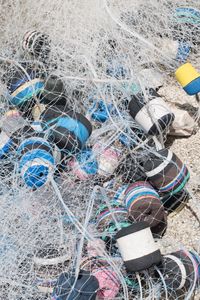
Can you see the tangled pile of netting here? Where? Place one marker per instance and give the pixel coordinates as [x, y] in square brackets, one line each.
[87, 183]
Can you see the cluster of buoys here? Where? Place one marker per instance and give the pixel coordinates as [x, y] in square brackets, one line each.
[135, 211]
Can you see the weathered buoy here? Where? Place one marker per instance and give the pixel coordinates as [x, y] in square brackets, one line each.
[37, 160]
[166, 172]
[67, 129]
[153, 116]
[24, 84]
[144, 204]
[137, 247]
[105, 213]
[178, 270]
[188, 78]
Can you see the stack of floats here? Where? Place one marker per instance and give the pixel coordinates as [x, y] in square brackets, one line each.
[135, 212]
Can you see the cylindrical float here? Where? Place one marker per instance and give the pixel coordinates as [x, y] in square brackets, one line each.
[178, 270]
[143, 204]
[38, 159]
[85, 287]
[137, 247]
[49, 263]
[188, 78]
[105, 213]
[108, 236]
[166, 172]
[23, 88]
[84, 165]
[36, 43]
[67, 129]
[153, 116]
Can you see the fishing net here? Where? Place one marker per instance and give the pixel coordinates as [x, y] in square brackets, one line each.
[84, 150]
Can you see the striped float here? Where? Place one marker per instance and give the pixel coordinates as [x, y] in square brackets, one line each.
[180, 269]
[37, 161]
[24, 88]
[175, 203]
[166, 172]
[143, 204]
[67, 129]
[104, 214]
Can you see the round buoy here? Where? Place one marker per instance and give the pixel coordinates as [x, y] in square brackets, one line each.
[144, 204]
[37, 161]
[137, 247]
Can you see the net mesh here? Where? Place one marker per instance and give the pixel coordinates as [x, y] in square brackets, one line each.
[73, 153]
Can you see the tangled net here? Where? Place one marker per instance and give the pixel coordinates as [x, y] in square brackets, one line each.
[88, 184]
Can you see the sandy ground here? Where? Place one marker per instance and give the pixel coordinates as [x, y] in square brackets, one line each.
[184, 227]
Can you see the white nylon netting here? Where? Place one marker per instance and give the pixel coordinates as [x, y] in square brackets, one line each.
[103, 52]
